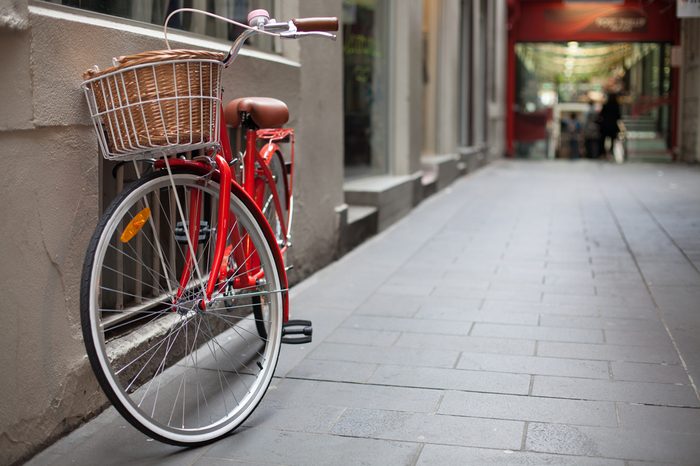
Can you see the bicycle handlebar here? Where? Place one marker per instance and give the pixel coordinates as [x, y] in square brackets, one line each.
[316, 24]
[259, 22]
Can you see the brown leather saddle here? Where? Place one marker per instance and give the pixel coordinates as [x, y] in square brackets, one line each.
[265, 112]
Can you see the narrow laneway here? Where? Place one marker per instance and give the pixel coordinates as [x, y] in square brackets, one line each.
[532, 313]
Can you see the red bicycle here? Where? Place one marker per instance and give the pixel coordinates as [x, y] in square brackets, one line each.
[184, 301]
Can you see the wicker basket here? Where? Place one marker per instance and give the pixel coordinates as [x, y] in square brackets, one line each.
[156, 103]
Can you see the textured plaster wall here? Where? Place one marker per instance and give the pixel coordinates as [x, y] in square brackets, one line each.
[49, 191]
[14, 14]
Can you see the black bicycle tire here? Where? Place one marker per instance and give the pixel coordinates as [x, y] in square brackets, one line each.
[85, 305]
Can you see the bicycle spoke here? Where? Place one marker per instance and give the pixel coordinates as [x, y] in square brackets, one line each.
[230, 356]
[170, 339]
[153, 273]
[123, 274]
[155, 348]
[234, 328]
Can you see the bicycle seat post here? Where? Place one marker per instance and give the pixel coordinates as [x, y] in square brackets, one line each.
[249, 161]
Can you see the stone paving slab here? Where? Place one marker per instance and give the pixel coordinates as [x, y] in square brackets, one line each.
[535, 365]
[531, 313]
[529, 408]
[459, 456]
[654, 445]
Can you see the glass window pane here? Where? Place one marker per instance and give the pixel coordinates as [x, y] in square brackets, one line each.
[155, 12]
[365, 86]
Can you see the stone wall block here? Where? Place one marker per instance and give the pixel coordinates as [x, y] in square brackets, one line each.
[16, 79]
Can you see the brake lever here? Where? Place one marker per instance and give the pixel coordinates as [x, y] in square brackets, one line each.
[299, 35]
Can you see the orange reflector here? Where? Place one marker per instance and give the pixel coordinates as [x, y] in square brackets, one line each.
[135, 225]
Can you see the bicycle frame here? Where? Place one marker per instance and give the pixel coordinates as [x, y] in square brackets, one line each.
[250, 189]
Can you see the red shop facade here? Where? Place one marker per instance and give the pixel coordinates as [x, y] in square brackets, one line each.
[601, 21]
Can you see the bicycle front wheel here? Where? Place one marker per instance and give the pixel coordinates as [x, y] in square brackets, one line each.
[180, 374]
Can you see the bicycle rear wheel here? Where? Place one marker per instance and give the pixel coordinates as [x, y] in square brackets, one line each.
[180, 374]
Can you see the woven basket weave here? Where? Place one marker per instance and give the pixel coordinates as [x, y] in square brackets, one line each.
[163, 101]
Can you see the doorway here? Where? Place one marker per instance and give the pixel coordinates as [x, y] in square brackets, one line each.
[561, 88]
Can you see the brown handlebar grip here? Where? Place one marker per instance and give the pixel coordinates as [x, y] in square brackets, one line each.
[316, 24]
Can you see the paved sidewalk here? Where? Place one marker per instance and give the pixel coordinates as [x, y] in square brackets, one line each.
[532, 313]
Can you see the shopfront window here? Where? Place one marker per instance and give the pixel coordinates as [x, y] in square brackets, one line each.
[365, 86]
[155, 12]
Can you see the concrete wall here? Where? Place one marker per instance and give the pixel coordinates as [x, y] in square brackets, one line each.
[406, 77]
[496, 81]
[319, 155]
[447, 89]
[442, 89]
[49, 188]
[690, 90]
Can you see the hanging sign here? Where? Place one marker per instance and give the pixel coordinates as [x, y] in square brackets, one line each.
[621, 21]
[558, 21]
[688, 8]
[592, 20]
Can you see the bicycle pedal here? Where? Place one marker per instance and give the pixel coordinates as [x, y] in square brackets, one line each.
[204, 232]
[297, 332]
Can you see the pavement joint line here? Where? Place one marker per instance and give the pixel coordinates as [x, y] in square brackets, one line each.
[526, 421]
[618, 458]
[659, 312]
[463, 416]
[421, 446]
[471, 328]
[523, 441]
[338, 417]
[455, 366]
[439, 403]
[511, 354]
[483, 392]
[410, 442]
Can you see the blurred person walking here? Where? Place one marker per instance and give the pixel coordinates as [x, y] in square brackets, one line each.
[573, 127]
[591, 132]
[610, 115]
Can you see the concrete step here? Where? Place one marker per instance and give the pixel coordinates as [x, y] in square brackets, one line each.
[647, 150]
[393, 196]
[362, 223]
[647, 145]
[641, 123]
